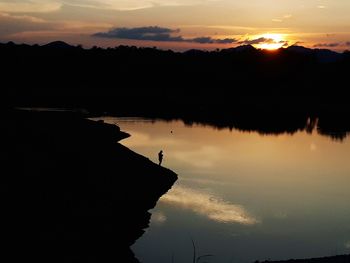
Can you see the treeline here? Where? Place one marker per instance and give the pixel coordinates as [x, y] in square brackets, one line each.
[58, 68]
[239, 87]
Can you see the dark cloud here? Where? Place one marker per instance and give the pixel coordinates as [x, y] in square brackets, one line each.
[226, 41]
[260, 40]
[347, 44]
[203, 40]
[263, 40]
[209, 40]
[327, 44]
[155, 33]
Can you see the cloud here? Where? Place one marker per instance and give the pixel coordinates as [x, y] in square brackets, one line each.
[12, 24]
[277, 20]
[282, 19]
[335, 44]
[26, 18]
[207, 205]
[137, 4]
[155, 33]
[209, 40]
[87, 3]
[203, 40]
[260, 40]
[50, 5]
[263, 40]
[226, 41]
[347, 44]
[36, 6]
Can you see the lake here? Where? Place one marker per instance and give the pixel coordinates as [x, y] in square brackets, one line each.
[243, 196]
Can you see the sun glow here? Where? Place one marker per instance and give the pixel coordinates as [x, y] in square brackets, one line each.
[272, 41]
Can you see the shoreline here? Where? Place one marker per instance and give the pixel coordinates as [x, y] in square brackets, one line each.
[329, 259]
[72, 193]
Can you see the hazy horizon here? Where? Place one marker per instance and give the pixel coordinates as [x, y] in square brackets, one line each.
[178, 24]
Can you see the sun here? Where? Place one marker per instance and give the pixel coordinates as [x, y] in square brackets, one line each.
[272, 41]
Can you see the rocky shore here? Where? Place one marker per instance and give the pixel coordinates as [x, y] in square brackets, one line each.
[70, 192]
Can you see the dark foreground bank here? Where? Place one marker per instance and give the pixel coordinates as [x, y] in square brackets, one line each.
[70, 192]
[333, 259]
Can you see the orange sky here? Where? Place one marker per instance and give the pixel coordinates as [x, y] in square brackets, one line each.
[179, 24]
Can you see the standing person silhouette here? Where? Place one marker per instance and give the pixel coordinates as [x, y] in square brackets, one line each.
[160, 157]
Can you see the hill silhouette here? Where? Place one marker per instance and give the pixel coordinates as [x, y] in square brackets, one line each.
[242, 87]
[294, 70]
[58, 45]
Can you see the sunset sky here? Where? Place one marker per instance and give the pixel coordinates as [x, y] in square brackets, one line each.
[178, 24]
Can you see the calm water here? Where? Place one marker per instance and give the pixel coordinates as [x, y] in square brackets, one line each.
[242, 196]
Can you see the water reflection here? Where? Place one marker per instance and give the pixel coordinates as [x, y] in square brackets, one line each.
[244, 195]
[158, 217]
[208, 205]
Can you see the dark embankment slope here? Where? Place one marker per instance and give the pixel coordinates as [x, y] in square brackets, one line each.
[70, 192]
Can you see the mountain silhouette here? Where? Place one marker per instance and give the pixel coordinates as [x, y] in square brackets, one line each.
[244, 48]
[241, 87]
[58, 45]
[300, 49]
[322, 55]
